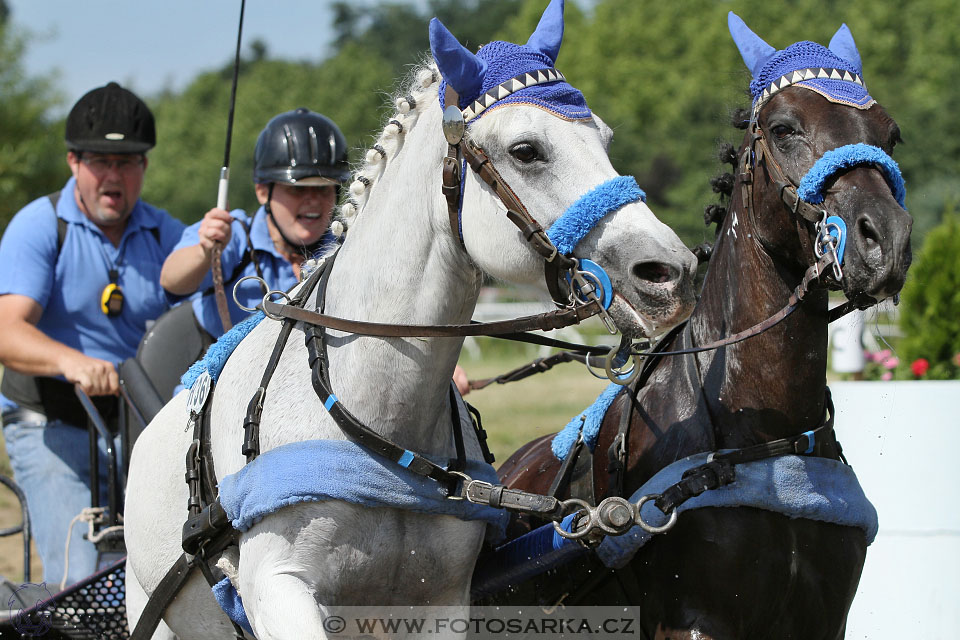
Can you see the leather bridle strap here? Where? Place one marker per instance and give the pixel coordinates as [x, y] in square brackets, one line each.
[554, 263]
[786, 188]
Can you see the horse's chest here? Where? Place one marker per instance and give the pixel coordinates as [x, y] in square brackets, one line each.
[357, 555]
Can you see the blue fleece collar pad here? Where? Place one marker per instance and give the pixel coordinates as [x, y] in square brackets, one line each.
[796, 486]
[584, 214]
[845, 157]
[216, 356]
[318, 470]
[586, 424]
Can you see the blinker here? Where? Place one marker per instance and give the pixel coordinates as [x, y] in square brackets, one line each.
[453, 124]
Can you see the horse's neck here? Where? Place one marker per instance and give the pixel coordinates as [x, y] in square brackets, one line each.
[770, 385]
[400, 265]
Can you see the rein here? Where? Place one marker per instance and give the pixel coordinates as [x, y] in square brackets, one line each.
[503, 328]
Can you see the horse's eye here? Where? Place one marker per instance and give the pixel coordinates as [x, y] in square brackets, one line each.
[524, 152]
[781, 131]
[895, 138]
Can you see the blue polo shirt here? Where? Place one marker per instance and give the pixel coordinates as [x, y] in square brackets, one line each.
[69, 286]
[277, 271]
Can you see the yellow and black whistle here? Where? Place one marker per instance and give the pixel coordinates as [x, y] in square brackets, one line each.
[111, 300]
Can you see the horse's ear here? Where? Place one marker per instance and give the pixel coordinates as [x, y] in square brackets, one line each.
[754, 51]
[842, 44]
[463, 70]
[547, 36]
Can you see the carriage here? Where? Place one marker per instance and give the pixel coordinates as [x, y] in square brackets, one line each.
[704, 417]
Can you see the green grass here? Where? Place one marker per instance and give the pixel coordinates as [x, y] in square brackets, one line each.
[517, 412]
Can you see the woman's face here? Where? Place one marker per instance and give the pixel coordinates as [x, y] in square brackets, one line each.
[303, 213]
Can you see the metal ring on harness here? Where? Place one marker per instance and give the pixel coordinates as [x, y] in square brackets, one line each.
[590, 514]
[617, 377]
[268, 294]
[236, 285]
[649, 528]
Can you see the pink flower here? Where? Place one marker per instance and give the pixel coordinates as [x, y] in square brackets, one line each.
[920, 367]
[887, 376]
[956, 359]
[891, 362]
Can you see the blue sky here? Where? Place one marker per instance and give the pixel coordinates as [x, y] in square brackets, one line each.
[147, 46]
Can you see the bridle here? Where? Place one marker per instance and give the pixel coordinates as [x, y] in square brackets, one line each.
[568, 284]
[580, 288]
[826, 248]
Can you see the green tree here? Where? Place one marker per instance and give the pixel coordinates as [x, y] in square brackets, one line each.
[398, 31]
[191, 126]
[931, 301]
[32, 155]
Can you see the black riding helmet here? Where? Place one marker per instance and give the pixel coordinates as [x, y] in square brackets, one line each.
[301, 147]
[110, 119]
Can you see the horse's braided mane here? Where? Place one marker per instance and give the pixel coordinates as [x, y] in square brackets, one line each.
[723, 184]
[419, 93]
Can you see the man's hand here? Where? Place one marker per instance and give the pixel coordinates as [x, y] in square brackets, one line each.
[214, 228]
[96, 377]
[460, 379]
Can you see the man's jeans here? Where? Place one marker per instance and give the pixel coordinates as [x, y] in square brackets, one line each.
[51, 463]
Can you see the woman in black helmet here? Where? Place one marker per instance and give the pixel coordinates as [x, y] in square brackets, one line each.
[300, 162]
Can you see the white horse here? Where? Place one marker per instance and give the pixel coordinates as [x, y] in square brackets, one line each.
[402, 263]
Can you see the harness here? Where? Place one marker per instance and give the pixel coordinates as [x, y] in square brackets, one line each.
[598, 528]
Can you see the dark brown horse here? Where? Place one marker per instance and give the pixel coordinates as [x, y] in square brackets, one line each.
[744, 572]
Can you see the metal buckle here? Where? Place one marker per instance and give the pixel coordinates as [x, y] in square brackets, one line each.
[465, 482]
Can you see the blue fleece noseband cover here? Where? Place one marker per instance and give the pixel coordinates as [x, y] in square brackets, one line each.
[584, 214]
[851, 155]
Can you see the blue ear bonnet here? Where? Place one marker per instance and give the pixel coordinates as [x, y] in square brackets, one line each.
[845, 88]
[835, 72]
[506, 60]
[506, 73]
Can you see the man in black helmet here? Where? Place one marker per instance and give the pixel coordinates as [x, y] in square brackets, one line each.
[79, 279]
[300, 161]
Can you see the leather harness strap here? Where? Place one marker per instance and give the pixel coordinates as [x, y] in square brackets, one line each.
[541, 322]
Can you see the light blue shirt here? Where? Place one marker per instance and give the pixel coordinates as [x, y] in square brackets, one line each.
[69, 286]
[277, 270]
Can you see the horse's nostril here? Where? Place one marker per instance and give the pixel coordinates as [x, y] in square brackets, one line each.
[656, 272]
[869, 233]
